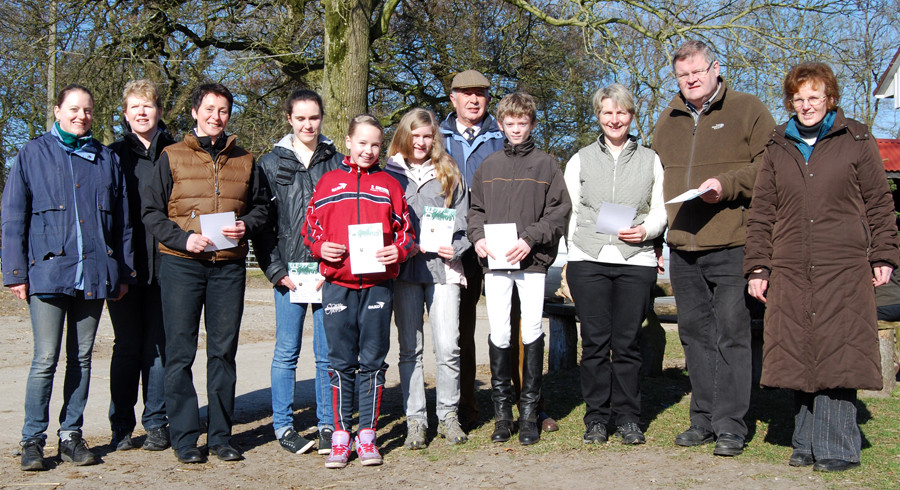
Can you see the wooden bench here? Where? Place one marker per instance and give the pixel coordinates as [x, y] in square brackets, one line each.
[563, 343]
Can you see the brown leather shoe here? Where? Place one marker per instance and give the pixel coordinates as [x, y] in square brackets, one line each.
[547, 423]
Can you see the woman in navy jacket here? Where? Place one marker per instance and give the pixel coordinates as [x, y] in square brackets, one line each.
[66, 248]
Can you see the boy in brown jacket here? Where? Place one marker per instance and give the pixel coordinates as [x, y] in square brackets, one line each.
[520, 187]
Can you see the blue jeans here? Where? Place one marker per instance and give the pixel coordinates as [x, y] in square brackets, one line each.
[137, 359]
[442, 301]
[288, 339]
[48, 313]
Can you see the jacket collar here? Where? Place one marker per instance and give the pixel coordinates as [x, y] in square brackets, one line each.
[521, 149]
[88, 149]
[161, 139]
[488, 125]
[679, 104]
[223, 144]
[324, 149]
[630, 144]
[350, 167]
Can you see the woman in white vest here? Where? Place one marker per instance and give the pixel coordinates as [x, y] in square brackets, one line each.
[612, 265]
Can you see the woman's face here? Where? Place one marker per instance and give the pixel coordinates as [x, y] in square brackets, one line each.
[811, 104]
[614, 121]
[306, 121]
[76, 113]
[422, 141]
[142, 114]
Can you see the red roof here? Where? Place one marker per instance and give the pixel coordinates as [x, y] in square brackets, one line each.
[890, 154]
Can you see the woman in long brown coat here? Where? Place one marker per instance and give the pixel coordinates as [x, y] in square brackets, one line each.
[821, 236]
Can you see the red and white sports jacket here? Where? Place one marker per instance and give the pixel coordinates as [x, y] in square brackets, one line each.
[350, 195]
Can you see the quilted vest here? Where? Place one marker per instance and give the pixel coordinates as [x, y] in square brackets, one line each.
[203, 186]
[628, 182]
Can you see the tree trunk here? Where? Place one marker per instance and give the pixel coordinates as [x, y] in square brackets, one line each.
[346, 75]
[51, 64]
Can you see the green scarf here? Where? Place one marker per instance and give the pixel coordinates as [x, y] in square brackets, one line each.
[70, 139]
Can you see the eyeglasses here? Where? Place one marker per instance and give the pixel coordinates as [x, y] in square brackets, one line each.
[697, 73]
[813, 101]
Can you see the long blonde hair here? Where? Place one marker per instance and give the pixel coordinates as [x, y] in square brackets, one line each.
[445, 168]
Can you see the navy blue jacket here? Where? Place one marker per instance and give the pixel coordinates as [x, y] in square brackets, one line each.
[50, 191]
[468, 156]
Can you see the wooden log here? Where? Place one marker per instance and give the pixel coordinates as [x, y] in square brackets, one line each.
[887, 338]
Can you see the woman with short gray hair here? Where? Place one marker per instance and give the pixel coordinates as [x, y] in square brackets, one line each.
[611, 270]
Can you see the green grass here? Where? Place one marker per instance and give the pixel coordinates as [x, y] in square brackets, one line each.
[665, 413]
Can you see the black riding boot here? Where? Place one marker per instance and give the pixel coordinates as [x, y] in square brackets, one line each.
[532, 376]
[501, 392]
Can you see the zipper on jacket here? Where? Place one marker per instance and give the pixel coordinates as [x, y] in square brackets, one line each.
[358, 181]
[690, 167]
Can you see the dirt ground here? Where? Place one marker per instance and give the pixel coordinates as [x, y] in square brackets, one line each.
[479, 463]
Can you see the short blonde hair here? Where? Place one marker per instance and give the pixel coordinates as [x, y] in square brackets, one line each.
[517, 104]
[144, 89]
[617, 93]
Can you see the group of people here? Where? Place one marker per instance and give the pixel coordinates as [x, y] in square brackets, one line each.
[83, 223]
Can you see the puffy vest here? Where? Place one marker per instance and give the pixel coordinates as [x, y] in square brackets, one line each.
[203, 186]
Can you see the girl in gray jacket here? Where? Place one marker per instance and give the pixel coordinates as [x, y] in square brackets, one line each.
[437, 200]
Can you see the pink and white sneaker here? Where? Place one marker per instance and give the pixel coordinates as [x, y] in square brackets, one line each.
[365, 448]
[340, 450]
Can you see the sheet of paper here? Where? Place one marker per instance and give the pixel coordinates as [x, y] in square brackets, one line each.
[688, 195]
[211, 227]
[436, 228]
[306, 277]
[365, 241]
[500, 237]
[614, 217]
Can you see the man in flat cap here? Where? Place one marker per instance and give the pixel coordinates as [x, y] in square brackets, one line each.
[470, 134]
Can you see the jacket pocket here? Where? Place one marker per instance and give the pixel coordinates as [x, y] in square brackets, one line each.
[48, 229]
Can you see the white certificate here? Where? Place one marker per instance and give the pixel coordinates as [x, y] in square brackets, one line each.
[501, 238]
[688, 195]
[211, 227]
[306, 277]
[436, 228]
[365, 241]
[614, 217]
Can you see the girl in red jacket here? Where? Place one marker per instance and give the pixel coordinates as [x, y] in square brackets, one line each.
[358, 225]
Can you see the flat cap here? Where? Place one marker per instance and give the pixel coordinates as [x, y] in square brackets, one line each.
[469, 79]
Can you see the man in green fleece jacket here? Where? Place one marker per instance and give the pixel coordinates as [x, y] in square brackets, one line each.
[711, 138]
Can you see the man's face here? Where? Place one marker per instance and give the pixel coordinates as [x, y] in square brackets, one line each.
[697, 78]
[212, 116]
[470, 105]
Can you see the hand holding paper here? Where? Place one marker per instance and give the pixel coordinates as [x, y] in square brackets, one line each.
[212, 226]
[688, 195]
[501, 238]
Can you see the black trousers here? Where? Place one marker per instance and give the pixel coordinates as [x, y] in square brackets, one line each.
[714, 327]
[138, 358]
[188, 287]
[468, 300]
[612, 302]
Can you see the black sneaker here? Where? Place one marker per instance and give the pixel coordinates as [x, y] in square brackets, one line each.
[595, 433]
[157, 439]
[75, 451]
[325, 440]
[121, 441]
[631, 433]
[33, 455]
[293, 442]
